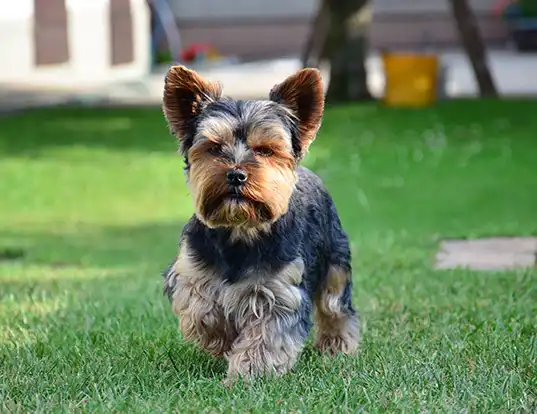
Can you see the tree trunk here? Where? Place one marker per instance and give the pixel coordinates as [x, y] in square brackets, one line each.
[472, 41]
[346, 48]
[316, 41]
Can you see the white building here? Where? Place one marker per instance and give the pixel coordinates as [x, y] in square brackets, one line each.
[73, 42]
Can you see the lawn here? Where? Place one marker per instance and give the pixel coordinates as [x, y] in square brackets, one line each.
[92, 203]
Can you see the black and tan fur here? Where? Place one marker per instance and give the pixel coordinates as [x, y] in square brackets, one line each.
[265, 246]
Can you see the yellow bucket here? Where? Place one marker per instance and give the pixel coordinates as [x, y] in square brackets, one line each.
[411, 79]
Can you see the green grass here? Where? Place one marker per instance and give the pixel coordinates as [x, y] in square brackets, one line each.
[95, 200]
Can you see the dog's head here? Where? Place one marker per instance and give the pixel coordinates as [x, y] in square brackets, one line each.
[241, 156]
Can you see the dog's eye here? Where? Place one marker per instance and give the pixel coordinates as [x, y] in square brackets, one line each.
[215, 149]
[263, 152]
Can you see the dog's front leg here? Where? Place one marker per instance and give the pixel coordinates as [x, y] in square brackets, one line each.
[266, 348]
[272, 321]
[201, 318]
[195, 293]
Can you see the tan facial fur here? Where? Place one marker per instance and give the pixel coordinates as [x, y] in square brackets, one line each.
[271, 177]
[249, 234]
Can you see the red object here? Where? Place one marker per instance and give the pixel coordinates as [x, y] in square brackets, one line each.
[189, 54]
[499, 6]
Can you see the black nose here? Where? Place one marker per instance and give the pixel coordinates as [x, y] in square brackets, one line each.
[236, 177]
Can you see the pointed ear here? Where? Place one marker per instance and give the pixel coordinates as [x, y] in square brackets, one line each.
[185, 95]
[303, 94]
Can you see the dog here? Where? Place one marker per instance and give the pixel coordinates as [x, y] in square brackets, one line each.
[265, 247]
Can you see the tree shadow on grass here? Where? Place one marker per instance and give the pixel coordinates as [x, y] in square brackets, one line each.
[90, 245]
[130, 129]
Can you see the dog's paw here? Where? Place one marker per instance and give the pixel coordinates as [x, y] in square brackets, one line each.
[333, 345]
[233, 380]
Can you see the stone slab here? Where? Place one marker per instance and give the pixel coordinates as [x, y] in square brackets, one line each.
[497, 253]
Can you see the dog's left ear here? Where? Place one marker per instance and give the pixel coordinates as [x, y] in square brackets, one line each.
[303, 94]
[185, 95]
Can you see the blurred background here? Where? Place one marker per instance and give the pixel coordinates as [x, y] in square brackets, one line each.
[428, 147]
[120, 49]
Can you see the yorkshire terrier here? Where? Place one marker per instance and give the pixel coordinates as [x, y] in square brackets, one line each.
[265, 245]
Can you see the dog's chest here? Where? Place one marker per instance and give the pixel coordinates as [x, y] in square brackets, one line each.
[256, 292]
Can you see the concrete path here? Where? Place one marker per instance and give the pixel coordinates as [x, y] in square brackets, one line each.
[515, 75]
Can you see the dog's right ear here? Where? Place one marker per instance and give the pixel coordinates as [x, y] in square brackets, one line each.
[185, 95]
